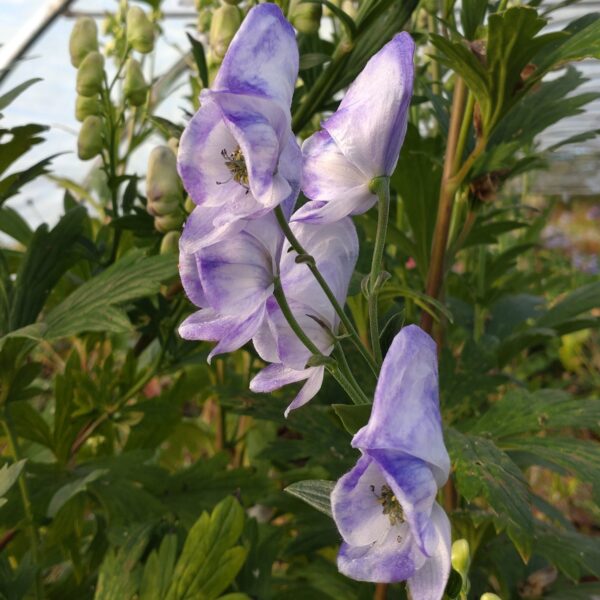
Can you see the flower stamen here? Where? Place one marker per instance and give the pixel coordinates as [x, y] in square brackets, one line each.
[236, 163]
[391, 507]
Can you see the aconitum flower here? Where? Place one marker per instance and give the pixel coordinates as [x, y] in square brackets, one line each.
[335, 250]
[238, 157]
[230, 281]
[362, 139]
[385, 508]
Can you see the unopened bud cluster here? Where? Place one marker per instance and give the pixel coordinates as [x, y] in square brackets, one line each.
[163, 190]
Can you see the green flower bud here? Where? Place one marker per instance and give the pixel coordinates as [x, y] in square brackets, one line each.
[170, 243]
[490, 596]
[226, 20]
[83, 40]
[305, 17]
[140, 31]
[90, 75]
[350, 8]
[89, 142]
[460, 557]
[189, 205]
[86, 106]
[162, 178]
[135, 87]
[169, 222]
[204, 20]
[164, 206]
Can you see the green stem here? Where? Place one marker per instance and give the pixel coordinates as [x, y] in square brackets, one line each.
[350, 387]
[291, 319]
[26, 501]
[464, 132]
[310, 263]
[346, 371]
[381, 187]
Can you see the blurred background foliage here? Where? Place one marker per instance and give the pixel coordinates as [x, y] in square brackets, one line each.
[130, 468]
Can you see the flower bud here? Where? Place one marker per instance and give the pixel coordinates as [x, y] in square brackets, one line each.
[350, 8]
[140, 31]
[135, 87]
[460, 557]
[490, 596]
[168, 223]
[89, 142]
[305, 17]
[226, 20]
[90, 75]
[204, 20]
[170, 243]
[162, 178]
[86, 106]
[83, 40]
[189, 205]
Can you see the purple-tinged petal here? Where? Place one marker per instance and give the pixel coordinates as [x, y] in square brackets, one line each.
[370, 123]
[190, 279]
[414, 486]
[237, 274]
[356, 510]
[406, 414]
[201, 166]
[291, 351]
[262, 58]
[336, 186]
[334, 247]
[199, 230]
[231, 332]
[394, 559]
[276, 376]
[429, 582]
[265, 343]
[260, 128]
[308, 391]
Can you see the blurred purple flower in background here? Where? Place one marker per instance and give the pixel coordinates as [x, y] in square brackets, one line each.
[362, 139]
[238, 157]
[385, 508]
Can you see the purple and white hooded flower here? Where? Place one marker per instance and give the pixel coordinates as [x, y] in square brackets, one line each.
[231, 282]
[385, 508]
[362, 139]
[238, 157]
[335, 250]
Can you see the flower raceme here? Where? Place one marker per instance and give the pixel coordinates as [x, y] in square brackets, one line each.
[385, 508]
[334, 248]
[233, 282]
[238, 158]
[361, 141]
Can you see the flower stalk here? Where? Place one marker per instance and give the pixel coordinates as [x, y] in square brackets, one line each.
[381, 187]
[310, 263]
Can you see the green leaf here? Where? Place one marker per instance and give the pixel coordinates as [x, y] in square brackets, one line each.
[7, 98]
[66, 492]
[352, 416]
[573, 553]
[209, 561]
[8, 477]
[29, 424]
[581, 40]
[91, 307]
[313, 59]
[483, 470]
[580, 458]
[199, 58]
[168, 128]
[520, 412]
[13, 183]
[49, 255]
[472, 13]
[581, 300]
[158, 570]
[13, 224]
[315, 492]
